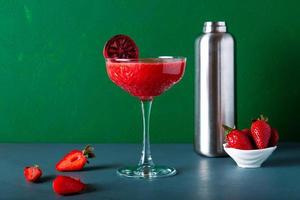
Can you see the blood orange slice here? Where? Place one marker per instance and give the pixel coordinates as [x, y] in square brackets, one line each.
[120, 46]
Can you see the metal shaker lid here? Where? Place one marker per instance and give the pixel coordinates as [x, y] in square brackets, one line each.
[210, 27]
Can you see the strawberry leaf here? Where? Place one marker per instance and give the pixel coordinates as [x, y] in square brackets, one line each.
[227, 129]
[88, 151]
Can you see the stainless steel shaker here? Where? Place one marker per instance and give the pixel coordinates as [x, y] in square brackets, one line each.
[214, 88]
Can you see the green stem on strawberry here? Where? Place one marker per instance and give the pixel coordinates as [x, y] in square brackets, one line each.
[262, 117]
[227, 129]
[88, 151]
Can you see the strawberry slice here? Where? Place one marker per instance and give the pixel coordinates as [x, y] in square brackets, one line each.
[75, 160]
[32, 173]
[65, 185]
[120, 46]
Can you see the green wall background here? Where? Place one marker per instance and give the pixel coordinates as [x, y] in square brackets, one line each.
[54, 87]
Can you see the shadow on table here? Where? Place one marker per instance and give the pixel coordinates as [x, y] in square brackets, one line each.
[92, 188]
[101, 167]
[47, 178]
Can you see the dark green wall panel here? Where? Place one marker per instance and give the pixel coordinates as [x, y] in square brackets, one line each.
[54, 86]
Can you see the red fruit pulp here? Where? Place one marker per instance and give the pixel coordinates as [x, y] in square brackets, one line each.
[145, 78]
[73, 161]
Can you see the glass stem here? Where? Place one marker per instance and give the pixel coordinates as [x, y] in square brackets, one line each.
[146, 159]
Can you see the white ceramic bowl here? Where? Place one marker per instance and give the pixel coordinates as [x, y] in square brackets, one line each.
[249, 158]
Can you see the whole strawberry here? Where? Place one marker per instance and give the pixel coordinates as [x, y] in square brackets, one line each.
[274, 137]
[32, 173]
[75, 160]
[238, 139]
[65, 185]
[261, 132]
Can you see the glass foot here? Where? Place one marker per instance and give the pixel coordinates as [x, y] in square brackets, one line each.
[146, 171]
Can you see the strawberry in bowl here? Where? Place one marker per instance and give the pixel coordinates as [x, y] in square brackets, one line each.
[249, 148]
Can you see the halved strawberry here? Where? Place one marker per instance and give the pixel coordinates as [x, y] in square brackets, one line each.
[120, 46]
[75, 160]
[32, 173]
[65, 185]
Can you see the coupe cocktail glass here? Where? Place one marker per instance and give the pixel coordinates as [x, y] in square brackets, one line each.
[146, 78]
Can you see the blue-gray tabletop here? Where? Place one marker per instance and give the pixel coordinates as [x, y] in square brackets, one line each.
[198, 177]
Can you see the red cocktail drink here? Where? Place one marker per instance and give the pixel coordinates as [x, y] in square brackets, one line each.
[145, 78]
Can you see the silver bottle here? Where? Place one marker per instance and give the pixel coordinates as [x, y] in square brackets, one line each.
[214, 88]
